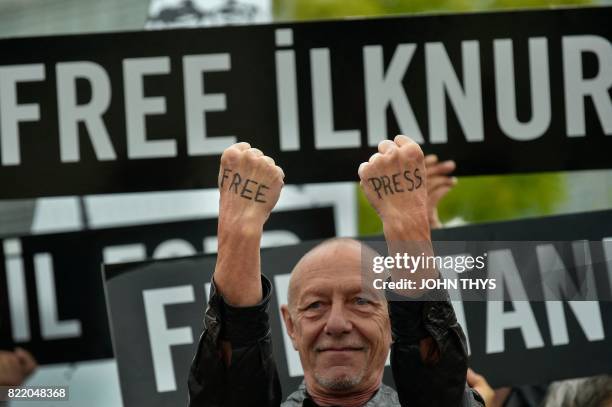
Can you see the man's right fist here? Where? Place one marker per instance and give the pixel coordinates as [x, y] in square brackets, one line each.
[250, 185]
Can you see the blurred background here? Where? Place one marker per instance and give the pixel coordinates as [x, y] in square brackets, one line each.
[474, 199]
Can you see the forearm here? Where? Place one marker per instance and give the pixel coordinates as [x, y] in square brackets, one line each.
[428, 357]
[249, 187]
[410, 236]
[251, 381]
[244, 372]
[238, 269]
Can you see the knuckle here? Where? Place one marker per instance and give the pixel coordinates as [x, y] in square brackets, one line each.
[230, 155]
[255, 152]
[416, 150]
[268, 160]
[364, 170]
[252, 157]
[241, 145]
[412, 152]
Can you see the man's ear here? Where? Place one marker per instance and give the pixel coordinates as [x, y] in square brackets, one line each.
[289, 324]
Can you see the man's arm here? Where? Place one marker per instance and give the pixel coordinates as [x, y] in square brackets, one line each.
[233, 365]
[428, 355]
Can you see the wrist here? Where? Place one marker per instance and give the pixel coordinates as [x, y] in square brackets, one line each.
[407, 229]
[243, 228]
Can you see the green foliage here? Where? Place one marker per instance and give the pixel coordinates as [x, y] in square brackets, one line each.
[486, 198]
[499, 4]
[369, 222]
[323, 9]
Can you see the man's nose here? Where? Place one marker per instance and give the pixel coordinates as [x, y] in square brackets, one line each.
[337, 322]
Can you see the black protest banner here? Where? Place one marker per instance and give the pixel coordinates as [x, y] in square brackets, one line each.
[51, 294]
[497, 92]
[155, 340]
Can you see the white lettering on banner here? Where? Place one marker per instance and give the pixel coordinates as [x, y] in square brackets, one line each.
[383, 88]
[137, 107]
[13, 113]
[556, 283]
[498, 321]
[503, 269]
[180, 247]
[50, 326]
[124, 253]
[286, 92]
[197, 103]
[174, 248]
[505, 89]
[577, 87]
[326, 137]
[163, 338]
[17, 290]
[442, 81]
[90, 114]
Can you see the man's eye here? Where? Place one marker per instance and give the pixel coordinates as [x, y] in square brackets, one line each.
[362, 301]
[314, 305]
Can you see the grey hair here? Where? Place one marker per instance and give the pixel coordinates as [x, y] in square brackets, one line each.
[593, 391]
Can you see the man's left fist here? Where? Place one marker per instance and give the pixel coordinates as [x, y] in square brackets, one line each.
[395, 184]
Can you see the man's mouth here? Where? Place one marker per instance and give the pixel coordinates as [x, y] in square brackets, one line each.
[341, 349]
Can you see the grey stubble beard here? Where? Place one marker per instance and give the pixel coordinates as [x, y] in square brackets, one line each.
[342, 383]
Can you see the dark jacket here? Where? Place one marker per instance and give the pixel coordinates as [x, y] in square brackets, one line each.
[252, 378]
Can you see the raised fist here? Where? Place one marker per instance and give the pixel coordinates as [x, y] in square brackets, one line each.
[250, 185]
[395, 183]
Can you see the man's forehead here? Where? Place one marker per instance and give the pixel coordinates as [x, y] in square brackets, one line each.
[331, 268]
[328, 283]
[332, 262]
[337, 253]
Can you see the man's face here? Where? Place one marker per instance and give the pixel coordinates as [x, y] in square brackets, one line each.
[341, 332]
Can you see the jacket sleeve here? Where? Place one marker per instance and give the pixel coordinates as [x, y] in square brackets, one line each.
[440, 380]
[251, 379]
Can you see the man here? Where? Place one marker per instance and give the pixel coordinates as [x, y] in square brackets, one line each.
[343, 332]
